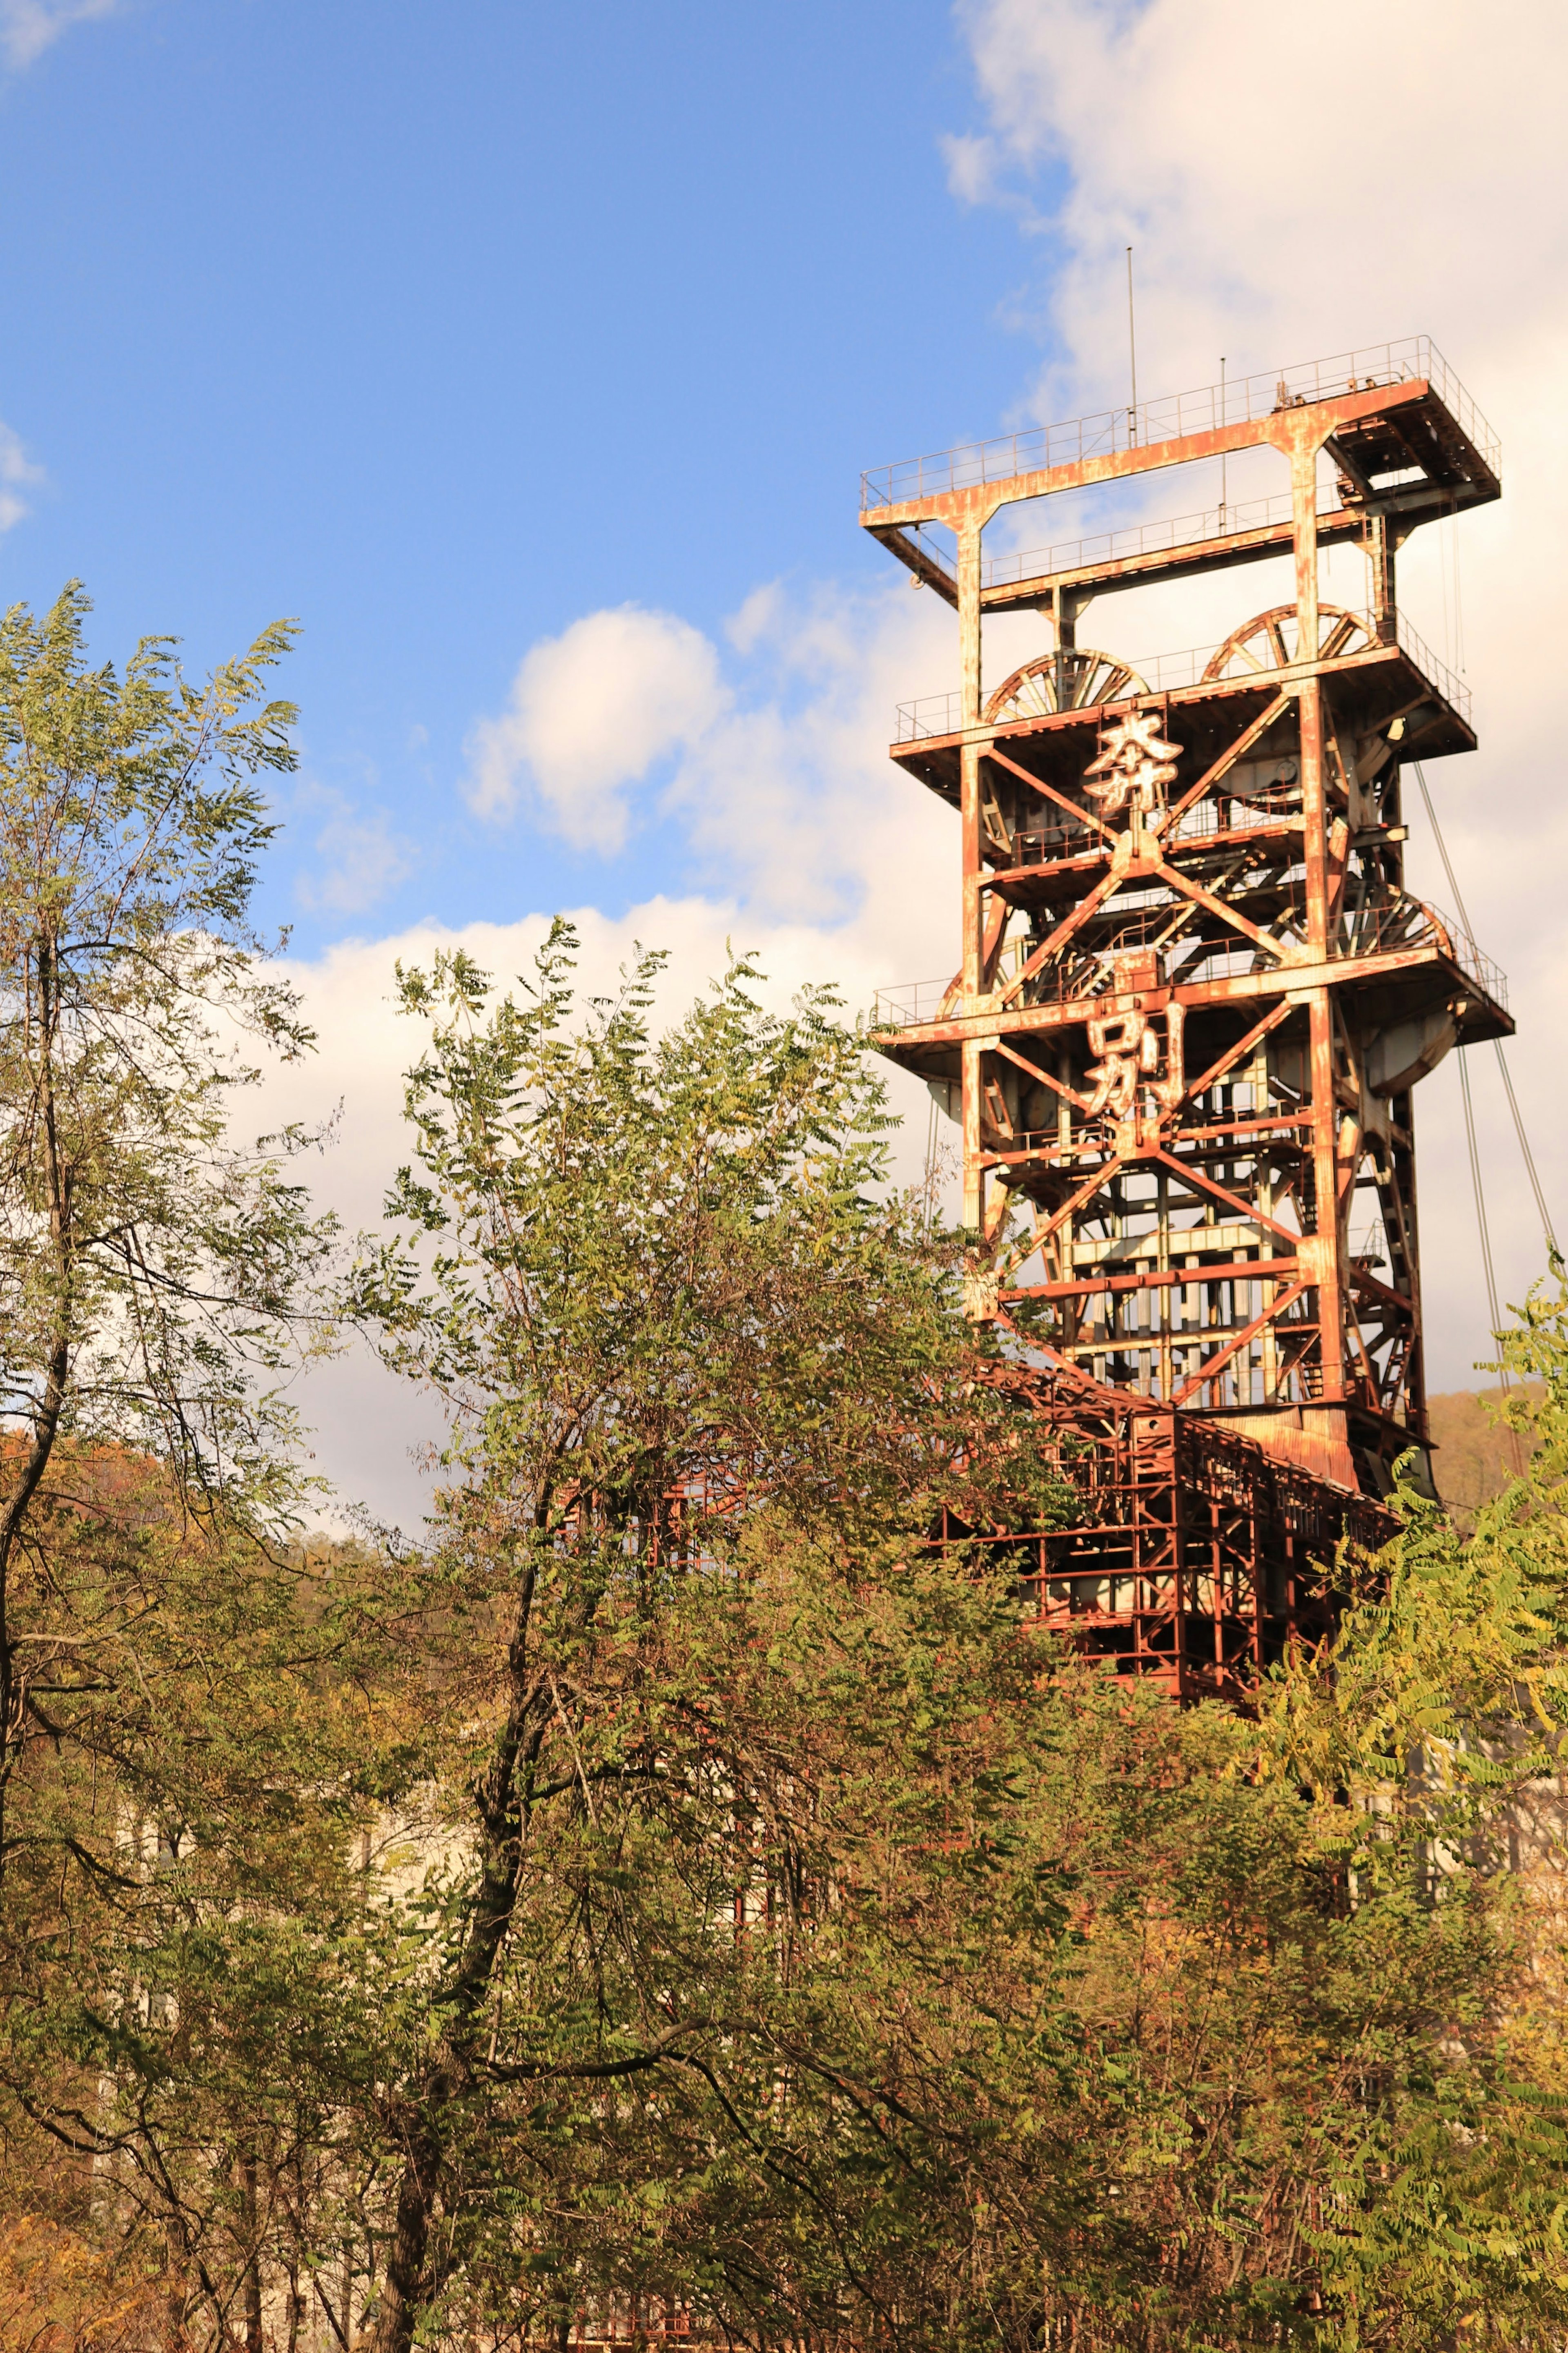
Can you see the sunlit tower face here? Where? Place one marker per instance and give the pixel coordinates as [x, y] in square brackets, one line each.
[1195, 996]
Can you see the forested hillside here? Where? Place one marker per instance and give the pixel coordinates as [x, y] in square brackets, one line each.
[1476, 1453]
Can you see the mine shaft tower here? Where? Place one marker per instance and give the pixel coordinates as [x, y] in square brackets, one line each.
[1196, 996]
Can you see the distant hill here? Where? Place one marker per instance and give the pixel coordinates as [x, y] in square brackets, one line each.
[1474, 1455]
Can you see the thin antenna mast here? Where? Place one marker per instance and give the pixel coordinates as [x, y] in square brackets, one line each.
[1224, 420]
[1132, 354]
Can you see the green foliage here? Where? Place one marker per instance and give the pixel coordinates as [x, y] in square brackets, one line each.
[666, 1262]
[177, 1774]
[1423, 1746]
[1453, 1659]
[681, 1329]
[150, 1266]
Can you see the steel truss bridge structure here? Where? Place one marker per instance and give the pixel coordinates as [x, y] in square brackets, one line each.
[1196, 996]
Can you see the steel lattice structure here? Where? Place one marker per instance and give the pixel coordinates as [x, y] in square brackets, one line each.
[1195, 995]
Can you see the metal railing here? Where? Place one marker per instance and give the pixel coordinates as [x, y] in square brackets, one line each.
[1240, 400]
[1408, 922]
[1281, 805]
[929, 715]
[942, 714]
[1453, 689]
[908, 1004]
[934, 715]
[1233, 521]
[1168, 535]
[1074, 979]
[1403, 922]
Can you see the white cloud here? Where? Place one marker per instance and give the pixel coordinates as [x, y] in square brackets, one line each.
[28, 26]
[795, 782]
[1237, 150]
[760, 613]
[591, 713]
[778, 772]
[17, 473]
[1232, 152]
[971, 166]
[789, 798]
[364, 861]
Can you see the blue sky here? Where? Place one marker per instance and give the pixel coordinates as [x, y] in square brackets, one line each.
[529, 356]
[439, 327]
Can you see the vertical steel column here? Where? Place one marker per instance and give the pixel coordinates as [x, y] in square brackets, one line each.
[1380, 552]
[1322, 1252]
[969, 535]
[1304, 518]
[1064, 619]
[1403, 1160]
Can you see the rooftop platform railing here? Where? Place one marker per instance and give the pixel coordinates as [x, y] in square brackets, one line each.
[1403, 922]
[910, 1004]
[920, 1004]
[1233, 521]
[1240, 400]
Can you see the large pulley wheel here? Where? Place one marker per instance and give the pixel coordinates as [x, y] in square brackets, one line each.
[1272, 641]
[1076, 681]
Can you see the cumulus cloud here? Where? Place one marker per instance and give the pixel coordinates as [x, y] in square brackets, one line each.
[793, 782]
[1223, 146]
[591, 713]
[28, 27]
[769, 750]
[18, 473]
[790, 798]
[1232, 154]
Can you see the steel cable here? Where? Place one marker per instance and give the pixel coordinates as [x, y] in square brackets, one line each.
[1527, 1157]
[1473, 1140]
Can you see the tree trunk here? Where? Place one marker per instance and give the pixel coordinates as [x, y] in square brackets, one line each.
[57, 1184]
[404, 2286]
[504, 1807]
[251, 2224]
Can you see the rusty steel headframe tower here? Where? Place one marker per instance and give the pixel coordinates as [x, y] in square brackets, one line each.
[1195, 995]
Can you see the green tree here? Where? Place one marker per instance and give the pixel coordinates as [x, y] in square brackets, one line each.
[148, 1265]
[685, 1881]
[178, 1780]
[681, 1331]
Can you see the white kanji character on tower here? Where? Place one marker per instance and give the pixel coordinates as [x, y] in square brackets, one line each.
[1134, 766]
[1129, 1048]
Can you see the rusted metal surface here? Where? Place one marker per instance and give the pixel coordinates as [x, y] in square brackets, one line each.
[1196, 998]
[1386, 403]
[1197, 1555]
